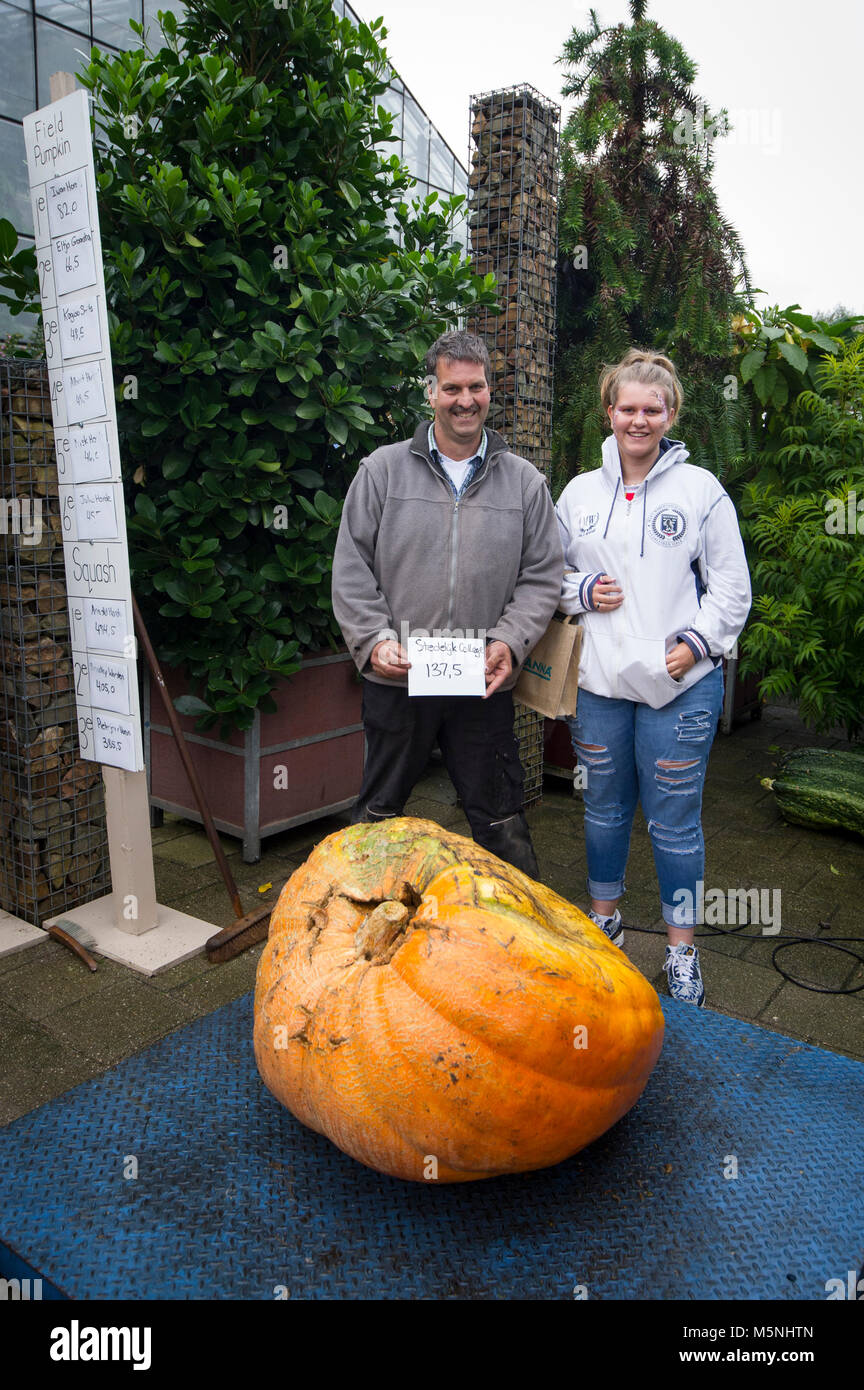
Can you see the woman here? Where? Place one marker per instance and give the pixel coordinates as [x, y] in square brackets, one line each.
[656, 566]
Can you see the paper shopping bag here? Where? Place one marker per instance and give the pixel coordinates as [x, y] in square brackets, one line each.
[549, 680]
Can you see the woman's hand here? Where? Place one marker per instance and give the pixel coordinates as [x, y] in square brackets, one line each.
[679, 660]
[606, 595]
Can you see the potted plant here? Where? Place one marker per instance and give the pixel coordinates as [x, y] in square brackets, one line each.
[271, 294]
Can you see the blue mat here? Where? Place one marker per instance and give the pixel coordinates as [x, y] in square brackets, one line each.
[235, 1199]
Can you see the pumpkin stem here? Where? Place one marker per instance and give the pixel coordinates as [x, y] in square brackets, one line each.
[379, 931]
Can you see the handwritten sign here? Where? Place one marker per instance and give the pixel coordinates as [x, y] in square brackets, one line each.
[80, 330]
[84, 392]
[446, 665]
[114, 740]
[105, 624]
[68, 209]
[73, 261]
[83, 454]
[59, 149]
[109, 685]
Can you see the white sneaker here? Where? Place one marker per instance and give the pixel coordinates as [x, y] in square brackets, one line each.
[612, 926]
[683, 973]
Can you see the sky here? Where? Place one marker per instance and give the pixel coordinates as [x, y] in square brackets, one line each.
[791, 176]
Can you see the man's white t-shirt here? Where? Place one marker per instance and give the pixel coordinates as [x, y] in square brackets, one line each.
[457, 469]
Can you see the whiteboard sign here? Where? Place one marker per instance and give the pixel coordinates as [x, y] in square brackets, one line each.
[58, 144]
[96, 511]
[83, 454]
[109, 684]
[95, 569]
[68, 209]
[84, 392]
[74, 261]
[105, 624]
[80, 329]
[114, 739]
[446, 665]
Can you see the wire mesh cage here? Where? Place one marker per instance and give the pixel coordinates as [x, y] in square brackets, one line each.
[53, 845]
[513, 223]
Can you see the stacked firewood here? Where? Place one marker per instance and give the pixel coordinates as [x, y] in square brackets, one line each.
[513, 228]
[53, 850]
[513, 222]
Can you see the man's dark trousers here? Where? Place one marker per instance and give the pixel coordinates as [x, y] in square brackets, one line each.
[480, 753]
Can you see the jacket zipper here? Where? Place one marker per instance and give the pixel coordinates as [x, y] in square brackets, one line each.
[454, 530]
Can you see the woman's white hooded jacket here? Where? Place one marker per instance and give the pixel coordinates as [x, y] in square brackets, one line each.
[677, 555]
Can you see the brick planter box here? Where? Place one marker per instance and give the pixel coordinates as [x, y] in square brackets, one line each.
[303, 762]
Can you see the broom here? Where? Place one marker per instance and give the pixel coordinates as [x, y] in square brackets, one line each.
[251, 926]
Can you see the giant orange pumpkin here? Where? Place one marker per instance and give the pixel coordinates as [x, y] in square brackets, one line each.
[439, 1015]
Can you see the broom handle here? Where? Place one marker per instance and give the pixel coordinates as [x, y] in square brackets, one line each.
[180, 741]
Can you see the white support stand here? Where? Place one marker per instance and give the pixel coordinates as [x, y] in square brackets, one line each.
[127, 925]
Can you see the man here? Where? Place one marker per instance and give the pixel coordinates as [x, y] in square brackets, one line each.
[451, 533]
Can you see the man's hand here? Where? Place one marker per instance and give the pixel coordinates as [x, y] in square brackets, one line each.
[499, 665]
[389, 659]
[679, 660]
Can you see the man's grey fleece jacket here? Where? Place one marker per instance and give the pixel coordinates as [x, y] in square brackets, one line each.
[410, 555]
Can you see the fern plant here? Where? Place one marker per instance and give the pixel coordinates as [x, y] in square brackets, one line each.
[802, 519]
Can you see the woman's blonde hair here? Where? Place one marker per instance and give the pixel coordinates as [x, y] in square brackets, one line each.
[649, 369]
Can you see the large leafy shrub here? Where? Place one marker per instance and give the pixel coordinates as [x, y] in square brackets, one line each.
[266, 325]
[806, 632]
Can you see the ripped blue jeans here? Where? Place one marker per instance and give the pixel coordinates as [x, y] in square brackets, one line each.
[630, 752]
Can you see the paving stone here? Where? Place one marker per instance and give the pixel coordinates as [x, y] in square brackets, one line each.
[171, 827]
[194, 849]
[173, 879]
[31, 956]
[52, 985]
[436, 786]
[447, 816]
[36, 1065]
[181, 974]
[829, 1020]
[117, 1021]
[219, 984]
[646, 949]
[738, 988]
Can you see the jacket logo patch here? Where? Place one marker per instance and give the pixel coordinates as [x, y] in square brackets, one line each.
[588, 523]
[667, 525]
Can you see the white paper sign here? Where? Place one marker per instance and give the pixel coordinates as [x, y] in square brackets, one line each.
[105, 624]
[84, 392]
[97, 569]
[96, 512]
[446, 665]
[74, 261]
[80, 332]
[59, 151]
[109, 684]
[114, 740]
[83, 454]
[67, 203]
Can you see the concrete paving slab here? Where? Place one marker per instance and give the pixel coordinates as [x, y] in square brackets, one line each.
[831, 1020]
[117, 1021]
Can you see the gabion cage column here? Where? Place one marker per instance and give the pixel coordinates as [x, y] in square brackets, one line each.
[53, 846]
[513, 222]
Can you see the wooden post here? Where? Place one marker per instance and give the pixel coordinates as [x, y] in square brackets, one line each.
[61, 84]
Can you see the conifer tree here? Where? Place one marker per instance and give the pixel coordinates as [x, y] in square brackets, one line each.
[646, 257]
